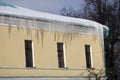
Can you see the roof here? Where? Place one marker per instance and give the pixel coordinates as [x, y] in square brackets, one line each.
[14, 10]
[5, 4]
[23, 12]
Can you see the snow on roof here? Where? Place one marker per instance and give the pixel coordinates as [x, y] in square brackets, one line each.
[23, 12]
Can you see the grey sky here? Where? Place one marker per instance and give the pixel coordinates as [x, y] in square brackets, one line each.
[51, 6]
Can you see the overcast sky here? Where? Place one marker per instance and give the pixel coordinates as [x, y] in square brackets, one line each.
[50, 6]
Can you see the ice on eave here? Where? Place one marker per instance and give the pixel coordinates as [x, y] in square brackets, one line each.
[23, 12]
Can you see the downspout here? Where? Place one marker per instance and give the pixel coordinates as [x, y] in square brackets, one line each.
[106, 33]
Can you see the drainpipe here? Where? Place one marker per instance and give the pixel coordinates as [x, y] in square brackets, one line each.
[106, 33]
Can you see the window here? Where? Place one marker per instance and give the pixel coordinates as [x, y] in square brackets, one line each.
[28, 53]
[88, 56]
[60, 55]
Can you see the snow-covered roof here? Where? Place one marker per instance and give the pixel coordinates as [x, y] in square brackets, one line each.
[23, 12]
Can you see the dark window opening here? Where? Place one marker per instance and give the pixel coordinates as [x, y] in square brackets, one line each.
[28, 53]
[88, 56]
[60, 55]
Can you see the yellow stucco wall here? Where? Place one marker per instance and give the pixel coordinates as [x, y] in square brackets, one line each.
[12, 52]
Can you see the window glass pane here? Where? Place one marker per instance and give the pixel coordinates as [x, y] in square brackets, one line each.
[88, 56]
[60, 55]
[28, 53]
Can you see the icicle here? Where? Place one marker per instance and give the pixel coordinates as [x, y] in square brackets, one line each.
[42, 36]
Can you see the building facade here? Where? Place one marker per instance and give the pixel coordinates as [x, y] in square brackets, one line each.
[45, 45]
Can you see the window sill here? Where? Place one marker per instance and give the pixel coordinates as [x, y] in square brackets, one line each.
[64, 68]
[31, 67]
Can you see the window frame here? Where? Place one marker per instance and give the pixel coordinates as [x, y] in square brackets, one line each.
[88, 56]
[63, 55]
[32, 54]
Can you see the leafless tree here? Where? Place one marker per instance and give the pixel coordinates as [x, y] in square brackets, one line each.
[106, 12]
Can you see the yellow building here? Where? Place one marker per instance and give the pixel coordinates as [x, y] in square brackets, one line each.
[39, 44]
